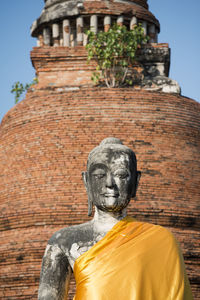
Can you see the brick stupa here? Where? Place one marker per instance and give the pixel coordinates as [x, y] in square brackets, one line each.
[46, 138]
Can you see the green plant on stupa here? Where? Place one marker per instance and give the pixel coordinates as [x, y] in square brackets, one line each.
[114, 51]
[18, 88]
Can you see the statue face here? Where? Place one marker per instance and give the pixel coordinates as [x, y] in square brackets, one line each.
[111, 179]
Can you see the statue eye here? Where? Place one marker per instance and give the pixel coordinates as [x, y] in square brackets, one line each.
[121, 174]
[98, 174]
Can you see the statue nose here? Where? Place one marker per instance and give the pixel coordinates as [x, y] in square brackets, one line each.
[109, 180]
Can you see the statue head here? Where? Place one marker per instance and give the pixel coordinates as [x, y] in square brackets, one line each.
[112, 178]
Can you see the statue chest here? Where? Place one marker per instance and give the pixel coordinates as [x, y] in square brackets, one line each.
[80, 247]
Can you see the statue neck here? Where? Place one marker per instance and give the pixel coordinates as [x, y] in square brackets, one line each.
[104, 221]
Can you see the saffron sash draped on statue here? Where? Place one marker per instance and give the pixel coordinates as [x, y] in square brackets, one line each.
[134, 261]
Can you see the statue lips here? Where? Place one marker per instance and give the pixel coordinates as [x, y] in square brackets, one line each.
[110, 199]
[112, 194]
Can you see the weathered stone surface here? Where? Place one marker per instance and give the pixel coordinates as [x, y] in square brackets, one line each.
[160, 83]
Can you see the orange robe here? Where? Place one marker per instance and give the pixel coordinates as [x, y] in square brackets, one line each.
[134, 261]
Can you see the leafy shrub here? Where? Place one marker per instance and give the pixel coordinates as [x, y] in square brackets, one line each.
[115, 52]
[18, 88]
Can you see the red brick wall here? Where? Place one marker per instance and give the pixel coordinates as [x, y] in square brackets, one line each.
[45, 141]
[60, 66]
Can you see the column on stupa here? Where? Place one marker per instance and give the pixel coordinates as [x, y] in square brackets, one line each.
[55, 34]
[66, 33]
[40, 41]
[94, 23]
[133, 22]
[79, 31]
[153, 33]
[120, 21]
[144, 26]
[107, 23]
[47, 36]
[156, 35]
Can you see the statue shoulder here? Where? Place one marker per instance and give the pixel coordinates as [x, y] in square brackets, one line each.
[166, 237]
[65, 237]
[158, 234]
[166, 232]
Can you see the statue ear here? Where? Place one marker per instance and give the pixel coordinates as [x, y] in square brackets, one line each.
[136, 183]
[90, 204]
[84, 176]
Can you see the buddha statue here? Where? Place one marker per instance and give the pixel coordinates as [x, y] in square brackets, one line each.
[113, 256]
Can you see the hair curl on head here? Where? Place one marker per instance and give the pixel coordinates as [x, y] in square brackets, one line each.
[113, 144]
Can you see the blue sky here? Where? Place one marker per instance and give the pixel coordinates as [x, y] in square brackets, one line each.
[180, 27]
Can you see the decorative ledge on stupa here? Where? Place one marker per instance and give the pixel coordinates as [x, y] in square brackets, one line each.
[63, 23]
[68, 67]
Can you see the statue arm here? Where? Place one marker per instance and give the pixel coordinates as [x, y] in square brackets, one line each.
[55, 275]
